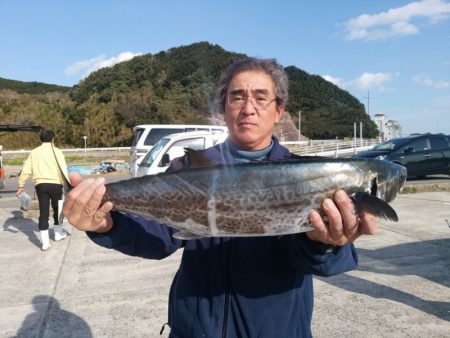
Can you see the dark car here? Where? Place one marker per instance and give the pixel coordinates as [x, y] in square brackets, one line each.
[426, 154]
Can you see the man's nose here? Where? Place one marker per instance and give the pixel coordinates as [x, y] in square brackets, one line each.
[249, 106]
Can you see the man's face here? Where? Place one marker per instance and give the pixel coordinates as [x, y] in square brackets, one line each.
[251, 111]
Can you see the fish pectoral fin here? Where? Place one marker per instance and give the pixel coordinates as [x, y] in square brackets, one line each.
[186, 235]
[374, 205]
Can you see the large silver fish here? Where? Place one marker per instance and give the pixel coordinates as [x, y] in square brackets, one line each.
[256, 199]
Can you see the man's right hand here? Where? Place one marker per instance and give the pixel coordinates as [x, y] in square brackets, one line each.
[82, 205]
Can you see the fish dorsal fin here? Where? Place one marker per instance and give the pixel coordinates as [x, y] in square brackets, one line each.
[293, 156]
[197, 160]
[304, 158]
[374, 205]
[186, 235]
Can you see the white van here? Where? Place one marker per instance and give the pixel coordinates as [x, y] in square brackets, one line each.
[158, 159]
[147, 135]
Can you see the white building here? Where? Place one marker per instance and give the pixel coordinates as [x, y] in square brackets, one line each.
[388, 128]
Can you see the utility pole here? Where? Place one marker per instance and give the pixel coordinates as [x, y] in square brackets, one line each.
[360, 135]
[85, 138]
[299, 125]
[368, 102]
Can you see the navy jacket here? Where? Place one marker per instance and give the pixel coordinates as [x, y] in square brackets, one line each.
[234, 287]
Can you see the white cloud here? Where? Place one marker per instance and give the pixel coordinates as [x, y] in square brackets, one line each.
[372, 80]
[397, 21]
[85, 67]
[364, 82]
[427, 81]
[335, 80]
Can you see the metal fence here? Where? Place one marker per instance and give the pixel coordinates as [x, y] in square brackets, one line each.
[312, 147]
[76, 150]
[334, 148]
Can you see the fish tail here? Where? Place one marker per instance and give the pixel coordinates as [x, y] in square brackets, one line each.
[373, 205]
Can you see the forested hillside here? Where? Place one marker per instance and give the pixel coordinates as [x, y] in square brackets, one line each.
[31, 87]
[174, 86]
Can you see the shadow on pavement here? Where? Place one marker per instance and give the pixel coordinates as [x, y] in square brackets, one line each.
[425, 259]
[49, 318]
[428, 259]
[17, 223]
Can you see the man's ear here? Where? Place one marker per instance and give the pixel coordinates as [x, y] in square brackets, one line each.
[279, 112]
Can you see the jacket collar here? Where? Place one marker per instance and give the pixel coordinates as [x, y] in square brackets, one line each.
[221, 153]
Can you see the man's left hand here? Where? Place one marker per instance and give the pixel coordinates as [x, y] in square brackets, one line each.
[343, 225]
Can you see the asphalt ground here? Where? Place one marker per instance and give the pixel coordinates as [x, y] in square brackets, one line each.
[78, 289]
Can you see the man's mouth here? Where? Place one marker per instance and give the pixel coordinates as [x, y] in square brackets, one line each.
[246, 124]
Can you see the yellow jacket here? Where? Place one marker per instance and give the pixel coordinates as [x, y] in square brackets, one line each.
[41, 165]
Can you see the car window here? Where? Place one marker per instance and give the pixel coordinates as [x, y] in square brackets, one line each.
[438, 143]
[154, 152]
[418, 145]
[156, 134]
[389, 145]
[193, 143]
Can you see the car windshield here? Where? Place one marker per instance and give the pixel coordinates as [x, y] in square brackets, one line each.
[389, 145]
[153, 153]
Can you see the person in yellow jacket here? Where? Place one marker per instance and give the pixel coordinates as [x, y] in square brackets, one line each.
[46, 165]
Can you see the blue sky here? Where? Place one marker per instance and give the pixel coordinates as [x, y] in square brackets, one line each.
[397, 53]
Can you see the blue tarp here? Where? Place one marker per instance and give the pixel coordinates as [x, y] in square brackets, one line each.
[81, 169]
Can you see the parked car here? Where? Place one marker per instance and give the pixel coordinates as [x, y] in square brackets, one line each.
[158, 159]
[425, 154]
[147, 135]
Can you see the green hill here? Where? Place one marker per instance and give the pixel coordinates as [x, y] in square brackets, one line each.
[31, 87]
[173, 86]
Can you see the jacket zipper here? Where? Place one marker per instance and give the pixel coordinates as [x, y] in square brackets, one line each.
[225, 314]
[227, 294]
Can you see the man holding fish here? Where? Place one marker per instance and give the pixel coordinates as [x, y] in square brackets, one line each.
[236, 286]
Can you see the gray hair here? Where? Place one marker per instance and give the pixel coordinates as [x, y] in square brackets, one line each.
[269, 66]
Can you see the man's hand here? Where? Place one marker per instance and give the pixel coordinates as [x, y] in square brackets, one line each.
[82, 205]
[19, 191]
[343, 225]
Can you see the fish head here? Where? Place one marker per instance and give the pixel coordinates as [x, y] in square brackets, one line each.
[389, 180]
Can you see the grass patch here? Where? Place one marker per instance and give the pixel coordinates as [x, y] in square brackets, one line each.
[13, 162]
[74, 159]
[431, 187]
[409, 190]
[93, 158]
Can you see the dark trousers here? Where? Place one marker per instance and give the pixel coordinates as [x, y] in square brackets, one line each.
[47, 192]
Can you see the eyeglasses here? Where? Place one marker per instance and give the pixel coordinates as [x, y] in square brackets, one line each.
[259, 99]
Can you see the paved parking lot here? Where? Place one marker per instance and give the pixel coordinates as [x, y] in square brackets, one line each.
[78, 289]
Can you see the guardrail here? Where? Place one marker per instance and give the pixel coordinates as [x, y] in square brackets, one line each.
[74, 150]
[334, 148]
